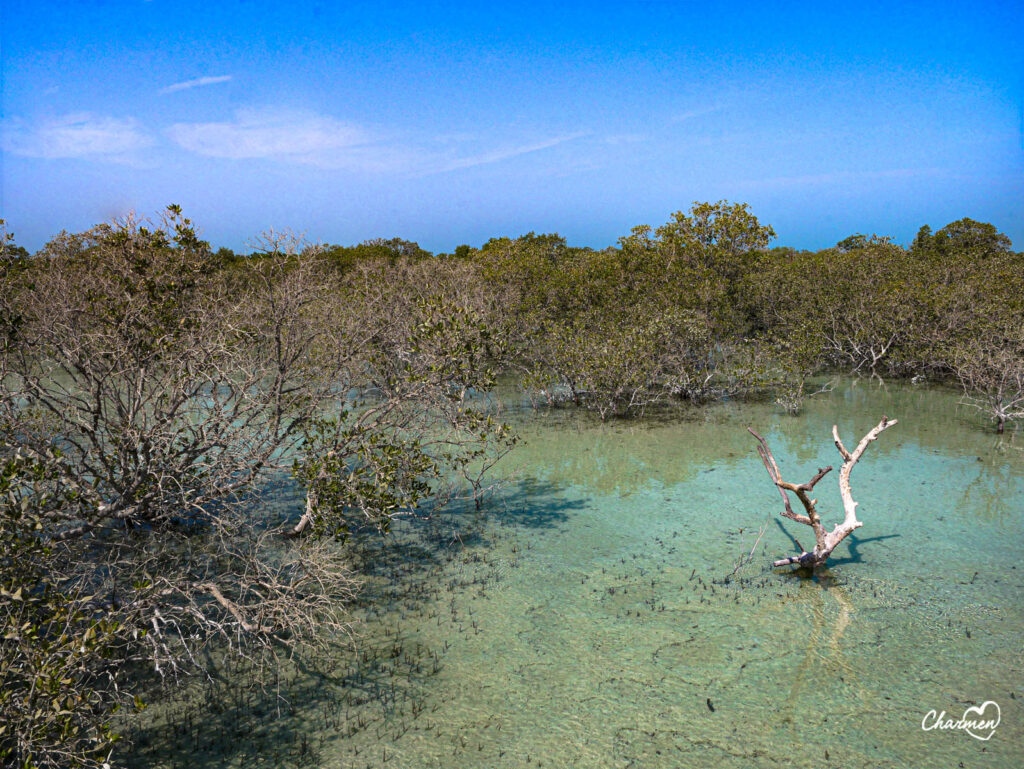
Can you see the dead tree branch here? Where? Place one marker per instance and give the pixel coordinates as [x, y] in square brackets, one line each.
[825, 541]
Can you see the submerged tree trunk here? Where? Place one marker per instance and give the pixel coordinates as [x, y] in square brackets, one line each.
[825, 541]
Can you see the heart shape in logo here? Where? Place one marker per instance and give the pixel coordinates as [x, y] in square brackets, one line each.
[982, 719]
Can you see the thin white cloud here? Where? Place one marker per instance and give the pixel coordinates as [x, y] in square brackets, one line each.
[76, 135]
[326, 142]
[498, 155]
[627, 138]
[301, 137]
[682, 117]
[196, 83]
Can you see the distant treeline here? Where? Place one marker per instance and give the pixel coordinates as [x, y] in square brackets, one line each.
[703, 308]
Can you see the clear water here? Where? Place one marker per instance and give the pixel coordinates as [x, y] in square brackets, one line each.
[592, 617]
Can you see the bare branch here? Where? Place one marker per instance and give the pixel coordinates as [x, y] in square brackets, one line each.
[850, 521]
[825, 541]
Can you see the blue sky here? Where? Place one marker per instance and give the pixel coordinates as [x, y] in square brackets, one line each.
[451, 123]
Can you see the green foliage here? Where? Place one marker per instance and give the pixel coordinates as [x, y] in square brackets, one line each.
[721, 237]
[358, 477]
[344, 258]
[700, 308]
[620, 329]
[417, 423]
[56, 643]
[968, 239]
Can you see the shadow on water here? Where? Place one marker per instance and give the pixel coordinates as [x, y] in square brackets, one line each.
[853, 543]
[534, 504]
[428, 541]
[378, 681]
[790, 537]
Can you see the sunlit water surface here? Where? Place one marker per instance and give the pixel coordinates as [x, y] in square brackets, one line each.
[591, 617]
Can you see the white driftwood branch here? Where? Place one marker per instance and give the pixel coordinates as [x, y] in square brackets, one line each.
[825, 541]
[849, 460]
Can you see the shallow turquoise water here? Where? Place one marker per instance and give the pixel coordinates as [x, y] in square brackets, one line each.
[592, 618]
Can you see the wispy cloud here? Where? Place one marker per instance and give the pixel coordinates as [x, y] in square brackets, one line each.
[626, 138]
[197, 83]
[296, 136]
[76, 135]
[682, 117]
[496, 156]
[326, 142]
